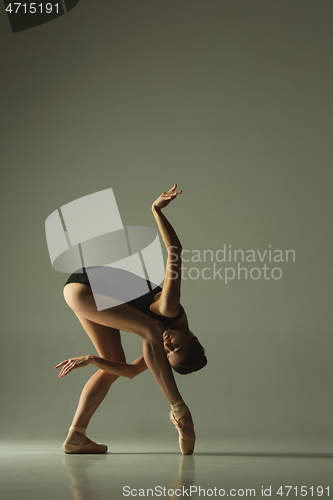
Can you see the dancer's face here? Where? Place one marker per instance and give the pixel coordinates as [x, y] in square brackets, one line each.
[176, 344]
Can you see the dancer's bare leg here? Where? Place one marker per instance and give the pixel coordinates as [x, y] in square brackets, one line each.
[108, 345]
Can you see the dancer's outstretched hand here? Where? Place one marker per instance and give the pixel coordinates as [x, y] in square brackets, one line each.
[72, 363]
[166, 197]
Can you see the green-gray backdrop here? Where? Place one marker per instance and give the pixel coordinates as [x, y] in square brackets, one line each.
[231, 99]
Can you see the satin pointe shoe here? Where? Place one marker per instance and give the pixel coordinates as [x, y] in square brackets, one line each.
[186, 433]
[76, 442]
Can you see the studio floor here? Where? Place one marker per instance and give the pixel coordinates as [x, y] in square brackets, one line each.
[41, 471]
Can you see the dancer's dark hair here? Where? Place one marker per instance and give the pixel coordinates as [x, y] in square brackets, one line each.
[194, 361]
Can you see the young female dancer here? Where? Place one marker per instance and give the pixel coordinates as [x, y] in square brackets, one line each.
[158, 318]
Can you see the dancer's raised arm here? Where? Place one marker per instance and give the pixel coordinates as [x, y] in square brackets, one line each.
[168, 233]
[169, 302]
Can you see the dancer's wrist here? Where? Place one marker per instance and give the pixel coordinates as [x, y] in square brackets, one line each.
[155, 208]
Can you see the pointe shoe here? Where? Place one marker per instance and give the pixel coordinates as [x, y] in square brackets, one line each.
[77, 447]
[186, 433]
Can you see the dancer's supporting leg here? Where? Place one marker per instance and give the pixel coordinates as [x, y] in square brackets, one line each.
[108, 345]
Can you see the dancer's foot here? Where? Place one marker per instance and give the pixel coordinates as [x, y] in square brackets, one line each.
[77, 442]
[180, 417]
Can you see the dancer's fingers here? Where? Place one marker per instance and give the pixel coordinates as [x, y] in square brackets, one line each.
[61, 374]
[67, 368]
[172, 190]
[173, 195]
[64, 371]
[71, 366]
[60, 364]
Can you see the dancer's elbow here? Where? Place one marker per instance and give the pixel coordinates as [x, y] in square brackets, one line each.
[131, 374]
[134, 371]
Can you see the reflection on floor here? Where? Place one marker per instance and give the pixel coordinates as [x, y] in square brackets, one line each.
[43, 472]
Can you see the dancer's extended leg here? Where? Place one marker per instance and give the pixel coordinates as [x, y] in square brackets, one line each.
[108, 345]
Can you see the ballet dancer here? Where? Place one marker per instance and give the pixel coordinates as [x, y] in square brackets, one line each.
[157, 317]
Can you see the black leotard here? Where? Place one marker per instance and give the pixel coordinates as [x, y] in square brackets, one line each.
[141, 303]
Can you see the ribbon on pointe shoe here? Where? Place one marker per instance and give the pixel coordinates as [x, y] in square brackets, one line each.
[83, 448]
[82, 430]
[186, 441]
